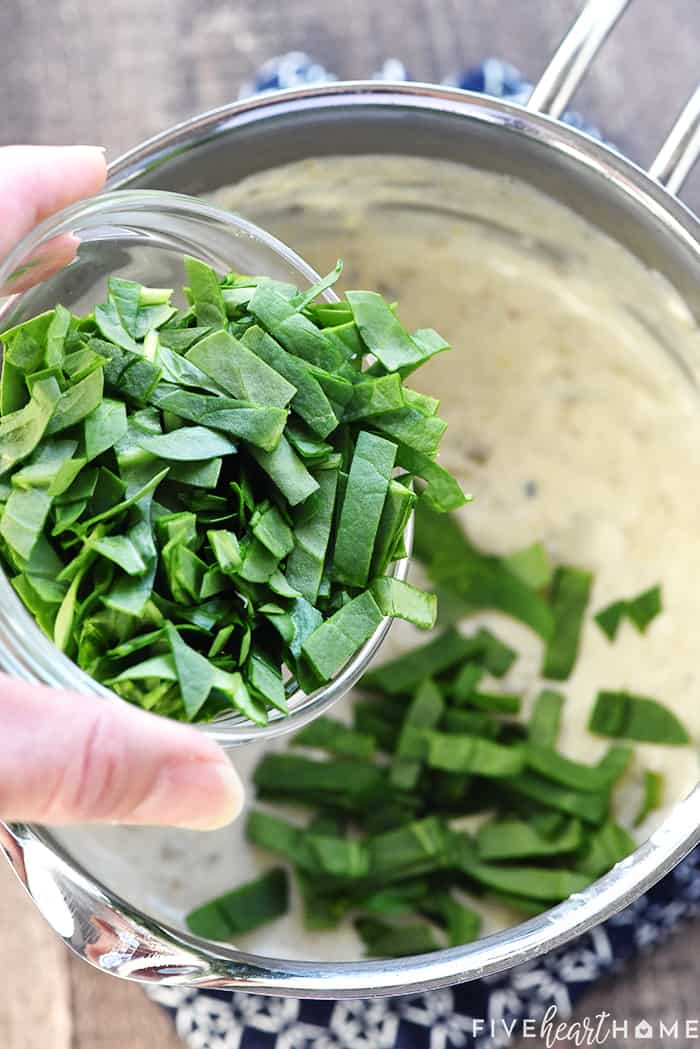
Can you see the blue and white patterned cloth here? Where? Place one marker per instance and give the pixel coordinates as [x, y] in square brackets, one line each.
[483, 1014]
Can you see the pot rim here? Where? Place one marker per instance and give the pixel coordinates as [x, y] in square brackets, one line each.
[623, 174]
[167, 956]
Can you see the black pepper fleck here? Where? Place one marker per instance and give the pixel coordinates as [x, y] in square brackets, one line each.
[478, 454]
[530, 488]
[170, 853]
[386, 290]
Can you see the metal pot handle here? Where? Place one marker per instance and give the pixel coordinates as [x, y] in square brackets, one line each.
[570, 63]
[681, 149]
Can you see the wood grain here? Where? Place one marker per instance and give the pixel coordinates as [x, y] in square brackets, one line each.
[36, 995]
[93, 71]
[113, 1014]
[51, 1000]
[117, 71]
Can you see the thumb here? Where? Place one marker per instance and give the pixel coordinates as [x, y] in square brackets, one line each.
[37, 181]
[70, 758]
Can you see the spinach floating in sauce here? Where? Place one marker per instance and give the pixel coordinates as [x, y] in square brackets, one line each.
[385, 846]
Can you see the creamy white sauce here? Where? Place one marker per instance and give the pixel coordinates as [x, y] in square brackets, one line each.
[570, 422]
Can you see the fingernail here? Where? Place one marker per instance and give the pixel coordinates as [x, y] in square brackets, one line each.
[92, 149]
[196, 795]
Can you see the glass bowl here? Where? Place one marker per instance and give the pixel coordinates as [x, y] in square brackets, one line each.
[142, 235]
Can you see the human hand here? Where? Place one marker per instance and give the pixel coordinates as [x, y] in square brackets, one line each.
[66, 757]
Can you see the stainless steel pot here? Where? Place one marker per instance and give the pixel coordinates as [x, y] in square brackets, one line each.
[635, 208]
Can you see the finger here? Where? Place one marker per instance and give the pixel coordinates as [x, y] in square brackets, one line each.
[69, 758]
[37, 181]
[48, 259]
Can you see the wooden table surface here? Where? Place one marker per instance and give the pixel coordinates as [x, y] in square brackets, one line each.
[115, 71]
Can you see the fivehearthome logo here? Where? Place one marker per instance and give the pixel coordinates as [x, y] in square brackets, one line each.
[551, 1031]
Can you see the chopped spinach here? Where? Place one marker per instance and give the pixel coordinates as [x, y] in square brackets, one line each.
[215, 486]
